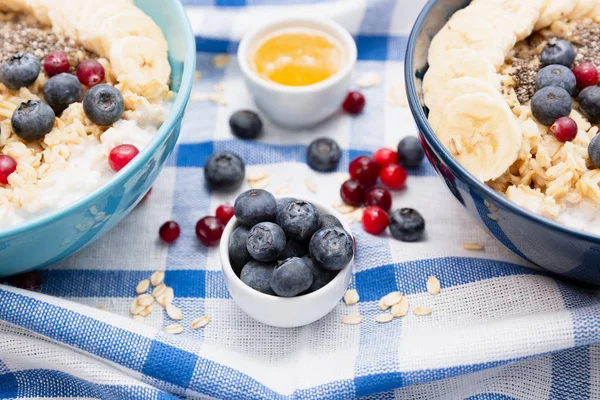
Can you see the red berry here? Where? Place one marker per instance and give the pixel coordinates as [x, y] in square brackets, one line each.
[564, 129]
[90, 72]
[586, 74]
[169, 231]
[378, 196]
[354, 103]
[56, 63]
[352, 192]
[393, 176]
[375, 220]
[224, 213]
[209, 230]
[365, 170]
[121, 155]
[8, 165]
[385, 157]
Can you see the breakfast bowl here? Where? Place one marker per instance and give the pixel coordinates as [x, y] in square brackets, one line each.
[284, 312]
[50, 237]
[559, 249]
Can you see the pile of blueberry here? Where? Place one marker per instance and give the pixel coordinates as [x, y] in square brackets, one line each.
[556, 83]
[286, 247]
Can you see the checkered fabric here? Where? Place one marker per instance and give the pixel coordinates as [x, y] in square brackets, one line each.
[499, 329]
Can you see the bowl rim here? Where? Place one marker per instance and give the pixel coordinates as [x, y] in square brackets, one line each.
[438, 147]
[228, 270]
[328, 25]
[175, 115]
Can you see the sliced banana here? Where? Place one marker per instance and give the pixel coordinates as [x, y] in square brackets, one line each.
[91, 17]
[457, 63]
[582, 9]
[481, 133]
[139, 61]
[457, 87]
[131, 22]
[553, 10]
[519, 16]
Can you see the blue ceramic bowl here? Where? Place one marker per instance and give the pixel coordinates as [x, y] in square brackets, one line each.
[54, 236]
[552, 246]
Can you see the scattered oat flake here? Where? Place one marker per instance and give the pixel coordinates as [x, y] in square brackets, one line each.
[396, 95]
[400, 309]
[197, 75]
[344, 208]
[159, 290]
[173, 312]
[257, 176]
[357, 214]
[382, 305]
[199, 96]
[103, 308]
[351, 297]
[433, 285]
[260, 184]
[219, 87]
[200, 322]
[473, 246]
[369, 79]
[157, 278]
[142, 286]
[392, 298]
[282, 189]
[138, 318]
[145, 299]
[136, 308]
[310, 185]
[173, 329]
[422, 311]
[352, 319]
[382, 318]
[146, 311]
[220, 61]
[492, 217]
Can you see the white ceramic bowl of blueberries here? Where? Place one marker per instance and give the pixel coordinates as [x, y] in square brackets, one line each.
[287, 262]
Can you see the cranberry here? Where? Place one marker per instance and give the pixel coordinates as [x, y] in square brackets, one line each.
[56, 63]
[393, 176]
[8, 165]
[354, 103]
[378, 196]
[169, 231]
[224, 213]
[385, 157]
[209, 230]
[121, 155]
[365, 170]
[586, 74]
[564, 129]
[352, 192]
[375, 220]
[29, 281]
[90, 72]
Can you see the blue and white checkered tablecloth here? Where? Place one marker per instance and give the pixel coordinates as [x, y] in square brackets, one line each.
[499, 330]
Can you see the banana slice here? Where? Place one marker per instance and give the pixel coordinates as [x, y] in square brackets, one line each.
[482, 134]
[131, 22]
[91, 16]
[138, 61]
[553, 10]
[582, 9]
[457, 87]
[456, 64]
[519, 16]
[595, 11]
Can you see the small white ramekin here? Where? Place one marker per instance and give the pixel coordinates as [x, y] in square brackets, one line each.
[284, 312]
[298, 107]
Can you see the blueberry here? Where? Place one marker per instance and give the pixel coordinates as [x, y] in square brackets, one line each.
[224, 171]
[32, 120]
[245, 124]
[293, 249]
[558, 52]
[589, 103]
[551, 103]
[238, 252]
[266, 241]
[103, 105]
[331, 248]
[299, 220]
[281, 203]
[254, 206]
[556, 75]
[291, 277]
[323, 154]
[20, 70]
[410, 152]
[61, 91]
[594, 150]
[321, 277]
[329, 221]
[407, 225]
[257, 275]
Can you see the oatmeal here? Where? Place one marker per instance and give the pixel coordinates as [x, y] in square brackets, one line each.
[73, 90]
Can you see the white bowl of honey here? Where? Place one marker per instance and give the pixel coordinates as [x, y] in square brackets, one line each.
[298, 69]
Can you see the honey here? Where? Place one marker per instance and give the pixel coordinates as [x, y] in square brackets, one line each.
[295, 57]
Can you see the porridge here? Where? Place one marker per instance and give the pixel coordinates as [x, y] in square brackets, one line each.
[82, 90]
[512, 94]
